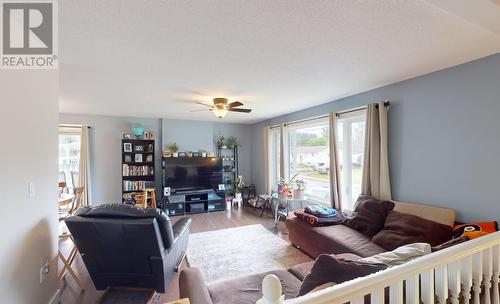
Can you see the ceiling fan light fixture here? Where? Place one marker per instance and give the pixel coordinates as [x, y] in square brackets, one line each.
[220, 112]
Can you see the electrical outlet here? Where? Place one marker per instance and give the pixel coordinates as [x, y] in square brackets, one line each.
[44, 270]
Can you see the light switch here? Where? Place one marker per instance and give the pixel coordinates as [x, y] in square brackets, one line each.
[31, 189]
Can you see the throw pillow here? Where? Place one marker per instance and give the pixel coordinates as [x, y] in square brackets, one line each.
[400, 255]
[330, 269]
[403, 229]
[450, 243]
[474, 230]
[369, 215]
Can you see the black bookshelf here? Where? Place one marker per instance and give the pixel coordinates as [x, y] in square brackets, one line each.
[138, 167]
[230, 168]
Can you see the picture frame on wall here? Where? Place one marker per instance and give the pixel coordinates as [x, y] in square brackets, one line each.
[138, 158]
[127, 147]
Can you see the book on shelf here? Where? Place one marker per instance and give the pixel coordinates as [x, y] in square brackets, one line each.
[137, 185]
[130, 170]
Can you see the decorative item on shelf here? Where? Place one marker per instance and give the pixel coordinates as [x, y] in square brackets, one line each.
[167, 153]
[211, 154]
[127, 136]
[203, 153]
[138, 158]
[174, 148]
[228, 168]
[139, 148]
[231, 142]
[299, 189]
[190, 154]
[149, 157]
[127, 147]
[137, 129]
[182, 154]
[220, 141]
[128, 158]
[150, 147]
[196, 154]
[148, 135]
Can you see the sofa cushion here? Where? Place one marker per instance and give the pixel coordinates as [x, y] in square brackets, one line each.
[402, 229]
[440, 215]
[331, 269]
[248, 289]
[400, 255]
[303, 269]
[369, 215]
[334, 239]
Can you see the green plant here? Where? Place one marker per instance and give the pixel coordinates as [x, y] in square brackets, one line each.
[231, 142]
[219, 140]
[230, 192]
[173, 147]
[240, 183]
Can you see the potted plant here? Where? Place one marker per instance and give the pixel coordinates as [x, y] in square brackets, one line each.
[228, 168]
[219, 141]
[174, 148]
[240, 183]
[283, 188]
[299, 189]
[231, 142]
[230, 193]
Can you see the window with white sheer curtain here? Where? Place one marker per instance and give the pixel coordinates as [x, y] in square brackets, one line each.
[351, 141]
[69, 154]
[274, 158]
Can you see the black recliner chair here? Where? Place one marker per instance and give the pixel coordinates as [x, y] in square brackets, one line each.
[126, 246]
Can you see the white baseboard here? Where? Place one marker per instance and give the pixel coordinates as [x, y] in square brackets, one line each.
[56, 297]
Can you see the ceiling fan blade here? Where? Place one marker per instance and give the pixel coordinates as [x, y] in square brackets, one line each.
[240, 110]
[203, 104]
[235, 104]
[207, 110]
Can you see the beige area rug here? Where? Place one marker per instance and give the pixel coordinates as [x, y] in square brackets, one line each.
[235, 252]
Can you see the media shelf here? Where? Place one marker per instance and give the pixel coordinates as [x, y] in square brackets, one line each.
[195, 202]
[138, 167]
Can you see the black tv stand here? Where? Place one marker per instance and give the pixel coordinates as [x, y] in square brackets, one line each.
[195, 201]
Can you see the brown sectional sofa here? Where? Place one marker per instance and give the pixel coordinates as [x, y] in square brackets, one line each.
[339, 239]
[243, 290]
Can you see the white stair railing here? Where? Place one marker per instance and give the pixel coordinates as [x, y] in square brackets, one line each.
[436, 278]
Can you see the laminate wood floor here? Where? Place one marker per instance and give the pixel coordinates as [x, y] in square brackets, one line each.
[70, 293]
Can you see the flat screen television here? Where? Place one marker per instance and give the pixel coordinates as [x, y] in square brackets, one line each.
[192, 173]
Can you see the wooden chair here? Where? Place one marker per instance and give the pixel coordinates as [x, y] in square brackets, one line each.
[62, 186]
[77, 203]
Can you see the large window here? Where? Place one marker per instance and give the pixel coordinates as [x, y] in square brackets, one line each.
[310, 158]
[307, 157]
[351, 141]
[69, 155]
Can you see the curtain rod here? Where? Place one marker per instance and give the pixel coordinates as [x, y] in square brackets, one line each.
[72, 126]
[386, 104]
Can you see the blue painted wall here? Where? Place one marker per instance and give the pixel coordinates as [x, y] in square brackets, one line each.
[444, 137]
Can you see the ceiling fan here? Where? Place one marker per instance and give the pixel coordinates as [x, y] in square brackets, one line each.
[221, 106]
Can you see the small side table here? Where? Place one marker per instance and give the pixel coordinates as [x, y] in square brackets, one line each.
[286, 202]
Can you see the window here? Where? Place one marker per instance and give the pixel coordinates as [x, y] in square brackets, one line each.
[69, 155]
[310, 158]
[351, 141]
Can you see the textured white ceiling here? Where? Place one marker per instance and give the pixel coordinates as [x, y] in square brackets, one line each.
[149, 58]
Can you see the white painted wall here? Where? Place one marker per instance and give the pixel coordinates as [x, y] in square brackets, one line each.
[28, 153]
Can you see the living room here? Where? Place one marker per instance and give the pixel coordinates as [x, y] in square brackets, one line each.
[253, 152]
